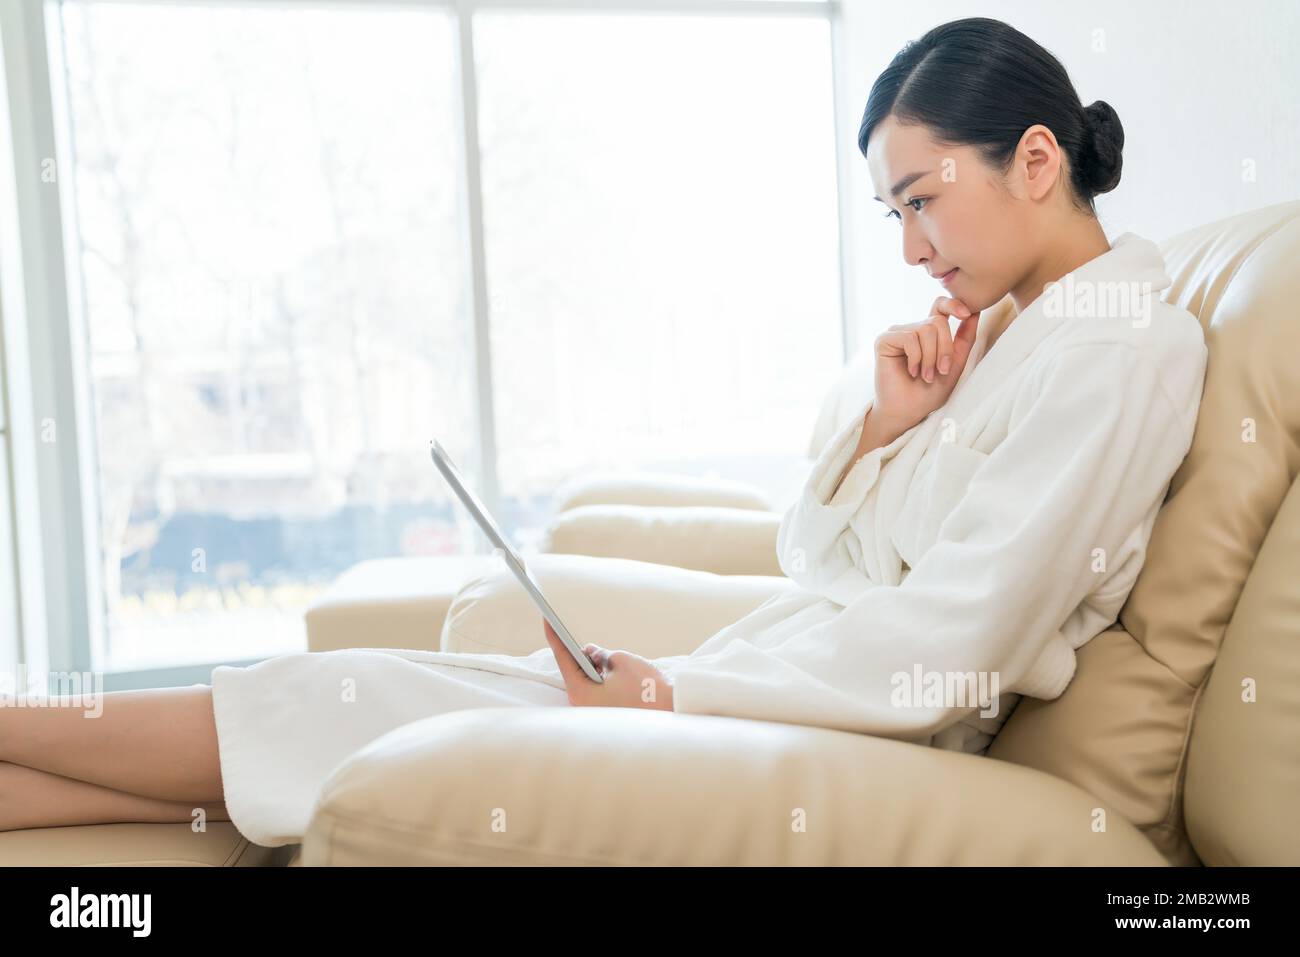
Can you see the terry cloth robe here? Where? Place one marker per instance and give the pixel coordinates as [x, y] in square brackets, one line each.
[990, 540]
[994, 537]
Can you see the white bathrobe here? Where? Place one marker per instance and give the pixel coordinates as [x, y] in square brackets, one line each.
[986, 543]
[955, 570]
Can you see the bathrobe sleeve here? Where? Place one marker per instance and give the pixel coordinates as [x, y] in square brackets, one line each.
[1078, 472]
[815, 546]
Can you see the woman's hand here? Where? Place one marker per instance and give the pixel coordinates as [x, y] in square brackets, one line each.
[630, 680]
[918, 364]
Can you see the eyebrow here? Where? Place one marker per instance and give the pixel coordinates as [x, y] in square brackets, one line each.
[903, 183]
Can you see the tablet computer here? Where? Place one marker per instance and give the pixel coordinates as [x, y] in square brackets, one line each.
[512, 559]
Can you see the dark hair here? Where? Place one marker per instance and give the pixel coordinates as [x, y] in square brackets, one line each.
[981, 82]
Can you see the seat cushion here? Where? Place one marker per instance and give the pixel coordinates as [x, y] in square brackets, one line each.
[138, 845]
[509, 786]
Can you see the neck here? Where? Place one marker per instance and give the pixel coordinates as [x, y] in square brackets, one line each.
[1080, 243]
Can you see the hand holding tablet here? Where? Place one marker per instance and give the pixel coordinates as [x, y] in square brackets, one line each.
[630, 680]
[512, 559]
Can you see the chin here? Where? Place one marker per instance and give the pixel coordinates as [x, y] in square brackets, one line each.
[974, 299]
[979, 301]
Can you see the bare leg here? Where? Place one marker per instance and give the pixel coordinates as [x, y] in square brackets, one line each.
[157, 742]
[32, 798]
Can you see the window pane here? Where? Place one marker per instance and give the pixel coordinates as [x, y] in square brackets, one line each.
[268, 208]
[661, 238]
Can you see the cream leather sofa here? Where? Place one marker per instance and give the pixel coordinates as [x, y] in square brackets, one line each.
[1177, 742]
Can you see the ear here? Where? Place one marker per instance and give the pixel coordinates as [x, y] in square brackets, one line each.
[1038, 161]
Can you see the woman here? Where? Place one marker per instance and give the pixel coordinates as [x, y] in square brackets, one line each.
[982, 517]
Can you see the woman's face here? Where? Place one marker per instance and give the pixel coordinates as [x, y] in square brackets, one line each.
[955, 211]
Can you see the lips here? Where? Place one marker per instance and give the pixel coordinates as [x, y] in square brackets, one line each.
[947, 277]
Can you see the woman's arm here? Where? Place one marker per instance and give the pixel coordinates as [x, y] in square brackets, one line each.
[1088, 463]
[875, 434]
[816, 544]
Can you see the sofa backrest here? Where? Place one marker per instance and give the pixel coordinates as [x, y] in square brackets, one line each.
[1185, 715]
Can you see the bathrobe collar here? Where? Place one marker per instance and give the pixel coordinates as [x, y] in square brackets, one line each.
[1131, 258]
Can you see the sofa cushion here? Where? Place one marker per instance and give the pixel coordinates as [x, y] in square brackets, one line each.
[626, 786]
[138, 845]
[390, 602]
[650, 609]
[1243, 764]
[655, 488]
[726, 541]
[1122, 728]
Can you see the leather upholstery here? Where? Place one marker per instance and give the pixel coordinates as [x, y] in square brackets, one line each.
[546, 786]
[724, 540]
[390, 602]
[1123, 728]
[643, 607]
[649, 488]
[137, 845]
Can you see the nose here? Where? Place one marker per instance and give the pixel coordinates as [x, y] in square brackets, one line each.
[916, 248]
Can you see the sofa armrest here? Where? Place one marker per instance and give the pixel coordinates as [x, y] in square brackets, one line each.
[652, 610]
[626, 786]
[390, 602]
[654, 488]
[725, 541]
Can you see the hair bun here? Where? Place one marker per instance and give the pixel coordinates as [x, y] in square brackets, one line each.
[1104, 147]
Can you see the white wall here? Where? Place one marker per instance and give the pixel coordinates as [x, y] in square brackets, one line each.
[1200, 87]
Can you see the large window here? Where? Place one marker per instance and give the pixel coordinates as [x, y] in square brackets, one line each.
[267, 209]
[303, 239]
[660, 214]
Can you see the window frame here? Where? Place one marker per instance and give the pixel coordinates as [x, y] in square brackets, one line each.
[49, 566]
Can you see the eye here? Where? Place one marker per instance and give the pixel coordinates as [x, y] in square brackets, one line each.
[910, 202]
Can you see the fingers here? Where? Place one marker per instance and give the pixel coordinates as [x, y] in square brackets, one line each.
[943, 337]
[965, 335]
[612, 658]
[603, 658]
[931, 347]
[928, 335]
[949, 306]
[906, 340]
[911, 346]
[953, 347]
[920, 343]
[599, 657]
